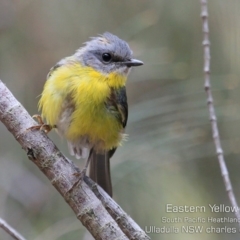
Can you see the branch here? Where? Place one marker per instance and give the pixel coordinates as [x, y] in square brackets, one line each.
[63, 174]
[126, 223]
[12, 232]
[213, 118]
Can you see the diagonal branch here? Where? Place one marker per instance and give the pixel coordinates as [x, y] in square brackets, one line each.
[12, 232]
[212, 114]
[128, 226]
[63, 174]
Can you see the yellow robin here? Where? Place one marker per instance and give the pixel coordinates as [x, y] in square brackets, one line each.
[84, 99]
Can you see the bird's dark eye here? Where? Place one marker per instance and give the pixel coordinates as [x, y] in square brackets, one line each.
[107, 57]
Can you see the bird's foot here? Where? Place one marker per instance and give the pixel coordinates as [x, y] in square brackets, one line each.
[41, 125]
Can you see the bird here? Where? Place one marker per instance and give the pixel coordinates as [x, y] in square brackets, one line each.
[84, 99]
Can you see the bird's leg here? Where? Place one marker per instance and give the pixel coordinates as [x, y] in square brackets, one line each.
[82, 173]
[41, 125]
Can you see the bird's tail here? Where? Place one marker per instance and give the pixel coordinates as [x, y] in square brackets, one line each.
[100, 170]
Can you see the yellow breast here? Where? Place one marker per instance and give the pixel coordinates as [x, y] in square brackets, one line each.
[74, 99]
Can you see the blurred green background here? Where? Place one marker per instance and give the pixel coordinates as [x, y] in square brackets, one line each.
[169, 157]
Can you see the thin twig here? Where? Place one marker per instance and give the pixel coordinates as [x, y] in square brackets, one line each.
[213, 118]
[12, 232]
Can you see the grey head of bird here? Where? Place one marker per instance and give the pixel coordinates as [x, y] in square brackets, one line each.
[107, 53]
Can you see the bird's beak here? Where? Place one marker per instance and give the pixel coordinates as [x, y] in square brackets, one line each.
[133, 63]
